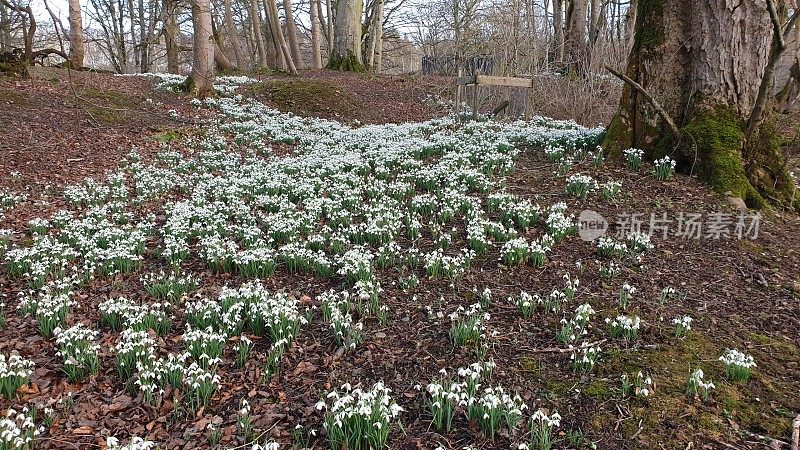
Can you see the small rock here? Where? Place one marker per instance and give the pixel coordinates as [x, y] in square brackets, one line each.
[737, 203]
[794, 286]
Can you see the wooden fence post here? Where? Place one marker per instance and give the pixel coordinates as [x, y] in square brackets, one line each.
[475, 101]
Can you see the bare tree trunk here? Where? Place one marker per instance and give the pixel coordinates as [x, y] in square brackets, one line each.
[4, 27]
[76, 49]
[203, 66]
[234, 36]
[704, 62]
[171, 35]
[222, 61]
[329, 24]
[787, 81]
[346, 54]
[378, 67]
[558, 31]
[377, 34]
[26, 14]
[273, 49]
[594, 20]
[316, 35]
[576, 37]
[255, 15]
[144, 45]
[29, 33]
[291, 33]
[278, 36]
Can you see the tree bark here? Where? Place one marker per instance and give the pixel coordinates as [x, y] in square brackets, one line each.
[277, 34]
[234, 37]
[316, 35]
[222, 61]
[378, 67]
[203, 66]
[576, 37]
[26, 13]
[171, 35]
[292, 34]
[4, 27]
[329, 24]
[704, 63]
[255, 19]
[144, 44]
[76, 48]
[558, 32]
[594, 21]
[375, 42]
[346, 54]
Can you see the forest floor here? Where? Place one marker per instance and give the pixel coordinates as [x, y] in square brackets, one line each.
[60, 128]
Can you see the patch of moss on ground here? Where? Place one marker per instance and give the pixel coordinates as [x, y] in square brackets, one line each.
[751, 247]
[108, 107]
[167, 136]
[599, 390]
[308, 97]
[530, 365]
[671, 408]
[9, 96]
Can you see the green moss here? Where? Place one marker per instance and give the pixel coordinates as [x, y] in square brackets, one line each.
[650, 24]
[556, 387]
[167, 136]
[346, 63]
[13, 70]
[598, 389]
[265, 71]
[617, 137]
[529, 365]
[108, 107]
[751, 247]
[307, 97]
[670, 408]
[767, 167]
[785, 349]
[8, 96]
[749, 414]
[717, 137]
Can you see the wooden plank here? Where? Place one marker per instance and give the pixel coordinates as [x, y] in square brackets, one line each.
[469, 79]
[488, 80]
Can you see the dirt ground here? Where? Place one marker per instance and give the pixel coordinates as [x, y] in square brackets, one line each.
[60, 128]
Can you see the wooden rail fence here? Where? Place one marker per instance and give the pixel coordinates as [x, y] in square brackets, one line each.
[488, 80]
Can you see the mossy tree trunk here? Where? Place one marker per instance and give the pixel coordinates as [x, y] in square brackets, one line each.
[346, 52]
[704, 63]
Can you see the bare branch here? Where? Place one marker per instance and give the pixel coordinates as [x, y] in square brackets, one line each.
[657, 106]
[776, 24]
